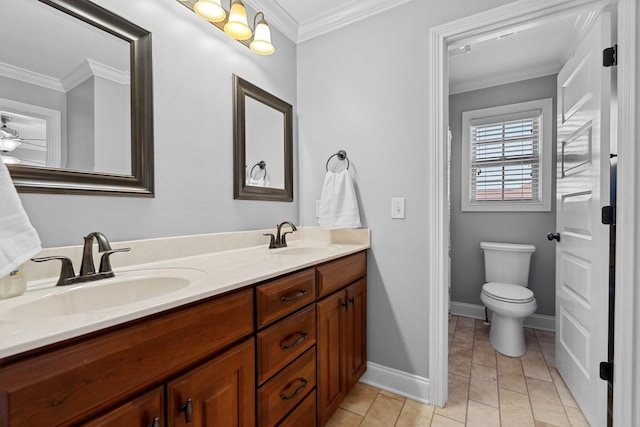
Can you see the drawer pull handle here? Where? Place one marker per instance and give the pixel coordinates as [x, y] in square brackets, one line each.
[303, 336]
[352, 300]
[296, 392]
[345, 305]
[300, 294]
[154, 423]
[187, 408]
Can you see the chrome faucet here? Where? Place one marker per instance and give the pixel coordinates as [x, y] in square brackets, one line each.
[87, 268]
[279, 240]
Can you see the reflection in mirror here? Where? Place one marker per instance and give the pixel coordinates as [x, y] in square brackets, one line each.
[264, 136]
[263, 161]
[75, 99]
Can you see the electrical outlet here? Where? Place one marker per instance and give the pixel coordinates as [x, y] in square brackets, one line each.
[397, 208]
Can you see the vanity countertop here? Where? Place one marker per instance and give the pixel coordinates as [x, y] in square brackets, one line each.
[198, 276]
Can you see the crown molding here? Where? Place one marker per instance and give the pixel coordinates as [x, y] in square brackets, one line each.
[278, 17]
[90, 68]
[329, 21]
[344, 15]
[30, 77]
[504, 78]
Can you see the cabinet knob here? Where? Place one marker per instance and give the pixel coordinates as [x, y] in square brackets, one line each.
[187, 408]
[345, 305]
[154, 423]
[296, 392]
[352, 300]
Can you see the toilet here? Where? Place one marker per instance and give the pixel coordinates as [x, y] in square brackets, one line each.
[506, 295]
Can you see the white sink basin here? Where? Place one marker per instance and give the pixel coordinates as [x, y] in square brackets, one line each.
[307, 250]
[126, 288]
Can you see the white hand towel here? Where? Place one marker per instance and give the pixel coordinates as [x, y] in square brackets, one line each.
[19, 241]
[338, 202]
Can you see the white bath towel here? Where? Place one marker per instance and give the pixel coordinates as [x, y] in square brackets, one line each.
[19, 241]
[338, 202]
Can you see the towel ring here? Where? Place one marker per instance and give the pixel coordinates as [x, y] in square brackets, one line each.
[262, 165]
[341, 155]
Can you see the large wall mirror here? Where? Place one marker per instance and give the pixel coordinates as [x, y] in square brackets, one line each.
[75, 99]
[263, 144]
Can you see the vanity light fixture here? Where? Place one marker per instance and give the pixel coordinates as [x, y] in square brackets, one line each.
[235, 23]
[211, 10]
[261, 43]
[237, 26]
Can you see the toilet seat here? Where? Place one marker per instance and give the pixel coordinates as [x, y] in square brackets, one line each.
[505, 292]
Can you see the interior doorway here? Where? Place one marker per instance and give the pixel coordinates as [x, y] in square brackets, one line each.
[454, 35]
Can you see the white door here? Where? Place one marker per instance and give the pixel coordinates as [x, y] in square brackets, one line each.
[584, 99]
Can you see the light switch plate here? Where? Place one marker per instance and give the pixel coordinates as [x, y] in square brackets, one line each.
[397, 208]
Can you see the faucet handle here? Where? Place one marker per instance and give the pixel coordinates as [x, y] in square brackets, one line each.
[66, 272]
[272, 241]
[105, 262]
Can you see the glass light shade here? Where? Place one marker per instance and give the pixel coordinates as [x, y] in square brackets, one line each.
[237, 27]
[7, 144]
[261, 43]
[211, 10]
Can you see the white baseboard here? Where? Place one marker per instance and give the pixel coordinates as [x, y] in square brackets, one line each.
[535, 321]
[408, 385]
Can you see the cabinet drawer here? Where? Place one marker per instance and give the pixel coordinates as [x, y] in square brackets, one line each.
[140, 412]
[284, 391]
[304, 414]
[90, 377]
[284, 341]
[337, 274]
[285, 295]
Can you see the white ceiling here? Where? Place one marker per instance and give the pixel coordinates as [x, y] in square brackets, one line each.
[530, 53]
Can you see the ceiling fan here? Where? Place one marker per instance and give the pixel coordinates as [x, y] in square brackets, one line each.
[10, 138]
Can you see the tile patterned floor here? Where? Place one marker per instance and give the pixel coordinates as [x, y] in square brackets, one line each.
[485, 389]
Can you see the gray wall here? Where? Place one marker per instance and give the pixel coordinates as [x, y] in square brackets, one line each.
[192, 67]
[468, 229]
[364, 88]
[81, 126]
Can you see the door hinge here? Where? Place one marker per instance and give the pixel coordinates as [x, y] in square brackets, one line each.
[609, 215]
[610, 56]
[606, 371]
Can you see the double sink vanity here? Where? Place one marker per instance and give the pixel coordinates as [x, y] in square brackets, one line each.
[200, 331]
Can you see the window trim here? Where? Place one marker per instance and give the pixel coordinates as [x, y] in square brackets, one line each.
[545, 147]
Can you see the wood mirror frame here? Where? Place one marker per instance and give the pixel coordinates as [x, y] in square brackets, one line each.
[242, 191]
[29, 179]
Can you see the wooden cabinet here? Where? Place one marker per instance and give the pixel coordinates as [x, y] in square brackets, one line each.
[217, 393]
[145, 411]
[291, 347]
[341, 335]
[286, 351]
[77, 381]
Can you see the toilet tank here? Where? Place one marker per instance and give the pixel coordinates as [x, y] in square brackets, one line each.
[507, 262]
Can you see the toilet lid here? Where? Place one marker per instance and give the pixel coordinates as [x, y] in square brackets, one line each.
[508, 293]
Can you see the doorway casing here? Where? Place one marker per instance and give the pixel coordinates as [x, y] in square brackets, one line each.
[519, 16]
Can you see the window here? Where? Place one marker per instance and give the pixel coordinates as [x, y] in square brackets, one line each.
[506, 157]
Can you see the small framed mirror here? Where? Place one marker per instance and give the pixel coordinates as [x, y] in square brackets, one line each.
[263, 144]
[76, 99]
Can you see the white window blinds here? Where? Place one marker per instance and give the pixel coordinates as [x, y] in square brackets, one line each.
[505, 158]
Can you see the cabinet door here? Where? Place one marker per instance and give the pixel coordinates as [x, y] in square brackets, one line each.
[145, 411]
[356, 331]
[220, 392]
[331, 345]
